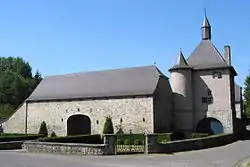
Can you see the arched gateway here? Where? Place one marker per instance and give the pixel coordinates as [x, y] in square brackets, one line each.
[210, 126]
[78, 125]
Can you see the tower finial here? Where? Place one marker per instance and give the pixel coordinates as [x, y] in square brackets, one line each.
[206, 28]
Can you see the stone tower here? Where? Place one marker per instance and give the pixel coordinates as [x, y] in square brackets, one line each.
[181, 82]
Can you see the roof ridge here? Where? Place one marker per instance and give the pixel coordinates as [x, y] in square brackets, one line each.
[93, 71]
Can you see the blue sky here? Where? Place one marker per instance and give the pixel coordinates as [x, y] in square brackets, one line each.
[62, 36]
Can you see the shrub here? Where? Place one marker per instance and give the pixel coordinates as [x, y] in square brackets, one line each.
[178, 136]
[119, 142]
[131, 138]
[164, 137]
[19, 137]
[127, 142]
[12, 134]
[108, 126]
[88, 139]
[53, 134]
[43, 129]
[199, 135]
[165, 141]
[137, 142]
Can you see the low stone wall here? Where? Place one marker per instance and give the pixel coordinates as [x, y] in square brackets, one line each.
[65, 148]
[108, 148]
[11, 145]
[188, 145]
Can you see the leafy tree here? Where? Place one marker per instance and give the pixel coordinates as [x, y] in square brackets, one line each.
[247, 95]
[16, 83]
[43, 129]
[108, 126]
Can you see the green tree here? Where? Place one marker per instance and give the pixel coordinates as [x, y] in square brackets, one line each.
[16, 83]
[247, 95]
[43, 129]
[108, 126]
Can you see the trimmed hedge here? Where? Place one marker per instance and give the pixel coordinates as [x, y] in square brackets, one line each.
[199, 135]
[139, 139]
[128, 139]
[18, 137]
[164, 137]
[12, 134]
[88, 139]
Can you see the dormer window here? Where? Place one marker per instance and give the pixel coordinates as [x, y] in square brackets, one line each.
[217, 74]
[209, 92]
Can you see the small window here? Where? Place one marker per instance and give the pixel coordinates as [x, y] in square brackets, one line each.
[219, 75]
[209, 99]
[209, 92]
[204, 99]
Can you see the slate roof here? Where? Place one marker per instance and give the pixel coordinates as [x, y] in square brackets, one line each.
[97, 84]
[180, 63]
[206, 56]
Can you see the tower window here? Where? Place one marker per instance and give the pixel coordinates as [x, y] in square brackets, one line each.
[209, 92]
[209, 99]
[204, 99]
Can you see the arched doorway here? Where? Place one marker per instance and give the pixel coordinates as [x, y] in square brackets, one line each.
[210, 126]
[78, 125]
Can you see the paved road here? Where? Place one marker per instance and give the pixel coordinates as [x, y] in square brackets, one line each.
[225, 156]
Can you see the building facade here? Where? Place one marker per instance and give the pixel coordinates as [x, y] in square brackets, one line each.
[201, 96]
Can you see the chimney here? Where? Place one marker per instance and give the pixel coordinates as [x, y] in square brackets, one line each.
[227, 54]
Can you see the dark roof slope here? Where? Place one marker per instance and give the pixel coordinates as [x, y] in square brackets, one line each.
[96, 84]
[206, 55]
[180, 63]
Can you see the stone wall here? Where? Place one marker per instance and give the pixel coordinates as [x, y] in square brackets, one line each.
[134, 114]
[17, 122]
[187, 145]
[108, 148]
[163, 107]
[64, 148]
[221, 104]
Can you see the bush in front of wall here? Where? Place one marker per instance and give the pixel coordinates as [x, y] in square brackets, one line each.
[88, 139]
[53, 134]
[127, 142]
[108, 126]
[43, 129]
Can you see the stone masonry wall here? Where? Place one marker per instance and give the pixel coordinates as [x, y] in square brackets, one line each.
[163, 107]
[16, 123]
[220, 107]
[65, 148]
[132, 111]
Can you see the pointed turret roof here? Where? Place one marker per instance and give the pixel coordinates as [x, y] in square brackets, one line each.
[180, 63]
[206, 22]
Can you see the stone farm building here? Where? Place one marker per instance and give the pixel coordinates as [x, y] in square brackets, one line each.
[201, 95]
